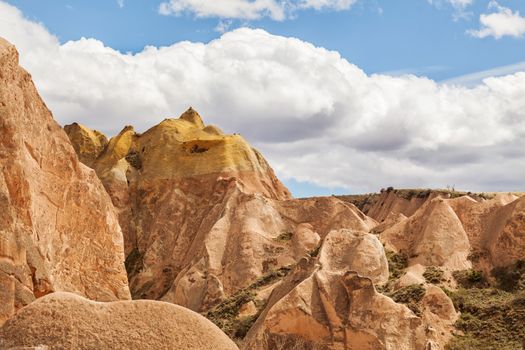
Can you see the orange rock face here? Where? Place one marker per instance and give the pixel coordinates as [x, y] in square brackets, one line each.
[68, 321]
[59, 231]
[204, 217]
[462, 233]
[203, 213]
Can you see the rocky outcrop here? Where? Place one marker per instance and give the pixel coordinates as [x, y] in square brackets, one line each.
[461, 233]
[88, 143]
[433, 236]
[398, 202]
[58, 231]
[331, 303]
[68, 321]
[508, 244]
[204, 215]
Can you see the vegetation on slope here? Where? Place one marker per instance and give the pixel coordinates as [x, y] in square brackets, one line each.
[433, 275]
[225, 315]
[409, 295]
[397, 264]
[491, 318]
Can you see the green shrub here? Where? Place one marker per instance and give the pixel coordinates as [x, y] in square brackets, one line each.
[470, 279]
[490, 319]
[397, 263]
[433, 275]
[284, 237]
[410, 296]
[510, 278]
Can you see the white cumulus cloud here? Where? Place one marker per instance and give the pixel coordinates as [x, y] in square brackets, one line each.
[248, 9]
[502, 22]
[313, 114]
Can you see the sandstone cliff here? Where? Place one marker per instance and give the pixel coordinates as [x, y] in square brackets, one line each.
[58, 228]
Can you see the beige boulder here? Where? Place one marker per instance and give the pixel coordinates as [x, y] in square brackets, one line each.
[68, 321]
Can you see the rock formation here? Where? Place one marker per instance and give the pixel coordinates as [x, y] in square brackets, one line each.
[203, 213]
[461, 233]
[87, 143]
[207, 225]
[327, 304]
[68, 321]
[58, 231]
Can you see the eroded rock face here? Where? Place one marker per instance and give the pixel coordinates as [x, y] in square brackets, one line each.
[331, 302]
[389, 202]
[58, 231]
[334, 310]
[204, 215]
[68, 321]
[344, 250]
[461, 233]
[88, 143]
[433, 236]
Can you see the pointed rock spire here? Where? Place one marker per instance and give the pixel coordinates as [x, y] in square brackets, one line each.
[192, 116]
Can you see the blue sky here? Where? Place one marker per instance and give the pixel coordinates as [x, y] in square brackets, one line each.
[378, 36]
[348, 120]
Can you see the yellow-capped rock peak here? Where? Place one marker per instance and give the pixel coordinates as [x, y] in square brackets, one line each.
[185, 148]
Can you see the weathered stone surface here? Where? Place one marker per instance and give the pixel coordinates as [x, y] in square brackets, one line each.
[204, 215]
[324, 304]
[88, 143]
[336, 311]
[462, 233]
[344, 250]
[433, 236]
[58, 231]
[68, 321]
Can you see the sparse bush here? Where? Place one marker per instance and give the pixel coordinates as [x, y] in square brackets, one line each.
[315, 252]
[433, 275]
[470, 279]
[410, 296]
[284, 237]
[510, 278]
[397, 263]
[490, 319]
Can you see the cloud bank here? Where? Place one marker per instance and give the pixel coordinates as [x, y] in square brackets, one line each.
[314, 115]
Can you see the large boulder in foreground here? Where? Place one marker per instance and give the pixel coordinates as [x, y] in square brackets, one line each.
[68, 321]
[58, 228]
